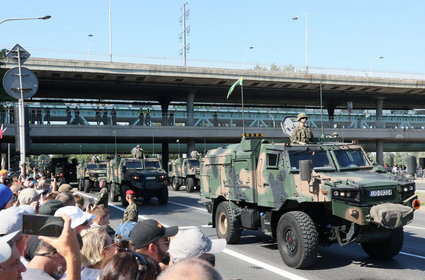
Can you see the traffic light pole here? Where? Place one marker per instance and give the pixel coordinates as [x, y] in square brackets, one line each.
[21, 108]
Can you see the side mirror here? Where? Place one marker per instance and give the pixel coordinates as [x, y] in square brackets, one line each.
[305, 170]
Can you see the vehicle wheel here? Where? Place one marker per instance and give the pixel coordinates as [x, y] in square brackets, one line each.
[113, 197]
[175, 184]
[227, 225]
[297, 239]
[190, 184]
[388, 248]
[124, 202]
[87, 185]
[163, 196]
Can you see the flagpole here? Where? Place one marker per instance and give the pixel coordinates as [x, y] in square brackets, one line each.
[243, 115]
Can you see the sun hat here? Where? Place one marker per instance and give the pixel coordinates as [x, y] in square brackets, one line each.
[77, 216]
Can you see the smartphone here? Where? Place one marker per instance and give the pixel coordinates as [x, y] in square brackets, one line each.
[42, 225]
[91, 202]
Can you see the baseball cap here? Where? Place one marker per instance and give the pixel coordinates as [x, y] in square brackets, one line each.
[5, 195]
[11, 218]
[130, 192]
[6, 243]
[27, 195]
[124, 230]
[193, 243]
[50, 207]
[77, 216]
[66, 188]
[148, 231]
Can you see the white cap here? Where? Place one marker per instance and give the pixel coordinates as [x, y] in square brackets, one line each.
[77, 216]
[5, 251]
[193, 243]
[11, 218]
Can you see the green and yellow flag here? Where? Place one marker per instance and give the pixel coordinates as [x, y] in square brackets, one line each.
[237, 83]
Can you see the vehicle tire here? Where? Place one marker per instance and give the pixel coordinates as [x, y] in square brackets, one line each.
[124, 202]
[190, 184]
[388, 248]
[175, 185]
[163, 196]
[113, 197]
[297, 239]
[87, 185]
[227, 225]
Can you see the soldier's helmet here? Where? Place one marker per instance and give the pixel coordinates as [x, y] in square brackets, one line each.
[138, 146]
[301, 115]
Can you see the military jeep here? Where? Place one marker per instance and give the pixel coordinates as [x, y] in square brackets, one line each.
[89, 174]
[184, 171]
[144, 176]
[305, 196]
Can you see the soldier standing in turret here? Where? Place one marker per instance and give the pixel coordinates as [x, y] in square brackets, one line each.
[302, 134]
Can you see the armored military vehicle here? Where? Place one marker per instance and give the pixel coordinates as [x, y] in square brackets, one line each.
[89, 174]
[184, 171]
[305, 196]
[144, 176]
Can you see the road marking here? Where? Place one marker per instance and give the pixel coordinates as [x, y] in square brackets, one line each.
[415, 227]
[188, 206]
[247, 259]
[271, 268]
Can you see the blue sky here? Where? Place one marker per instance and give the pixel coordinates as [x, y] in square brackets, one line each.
[342, 34]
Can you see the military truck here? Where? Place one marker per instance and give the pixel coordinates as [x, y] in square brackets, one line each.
[305, 196]
[184, 171]
[64, 171]
[89, 174]
[144, 176]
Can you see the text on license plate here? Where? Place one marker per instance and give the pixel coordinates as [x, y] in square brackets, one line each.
[150, 178]
[381, 193]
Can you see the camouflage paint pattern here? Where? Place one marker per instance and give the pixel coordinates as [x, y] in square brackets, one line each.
[260, 172]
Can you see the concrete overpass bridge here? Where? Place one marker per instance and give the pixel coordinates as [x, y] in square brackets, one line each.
[105, 82]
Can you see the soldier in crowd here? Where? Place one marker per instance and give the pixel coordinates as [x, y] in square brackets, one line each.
[302, 134]
[102, 196]
[68, 115]
[131, 213]
[114, 116]
[148, 118]
[141, 117]
[137, 152]
[47, 115]
[105, 117]
[98, 115]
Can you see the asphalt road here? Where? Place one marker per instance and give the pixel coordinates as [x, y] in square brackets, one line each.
[256, 257]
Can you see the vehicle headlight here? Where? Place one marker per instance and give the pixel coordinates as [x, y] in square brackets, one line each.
[135, 177]
[162, 176]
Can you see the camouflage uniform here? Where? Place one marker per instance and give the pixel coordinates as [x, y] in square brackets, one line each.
[302, 134]
[102, 197]
[131, 213]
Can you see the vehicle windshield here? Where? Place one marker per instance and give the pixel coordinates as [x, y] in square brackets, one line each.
[319, 159]
[351, 158]
[133, 164]
[96, 166]
[194, 163]
[152, 164]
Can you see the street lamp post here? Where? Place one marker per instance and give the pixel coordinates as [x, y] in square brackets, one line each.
[244, 57]
[371, 61]
[21, 105]
[306, 37]
[110, 32]
[12, 19]
[88, 47]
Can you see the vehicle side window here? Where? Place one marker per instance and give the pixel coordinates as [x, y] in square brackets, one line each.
[272, 160]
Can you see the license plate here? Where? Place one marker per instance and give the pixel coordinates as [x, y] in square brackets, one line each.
[150, 178]
[380, 193]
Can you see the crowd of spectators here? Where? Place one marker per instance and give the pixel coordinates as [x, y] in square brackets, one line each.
[87, 247]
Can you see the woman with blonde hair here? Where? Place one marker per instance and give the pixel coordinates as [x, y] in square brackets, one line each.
[97, 249]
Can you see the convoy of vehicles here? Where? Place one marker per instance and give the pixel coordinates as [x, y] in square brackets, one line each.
[184, 171]
[89, 174]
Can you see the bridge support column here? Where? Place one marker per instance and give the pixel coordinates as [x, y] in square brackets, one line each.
[164, 109]
[165, 156]
[380, 152]
[190, 147]
[190, 109]
[379, 124]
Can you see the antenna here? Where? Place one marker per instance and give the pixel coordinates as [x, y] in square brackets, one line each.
[186, 30]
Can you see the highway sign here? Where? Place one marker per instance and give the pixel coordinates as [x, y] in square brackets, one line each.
[29, 83]
[13, 54]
